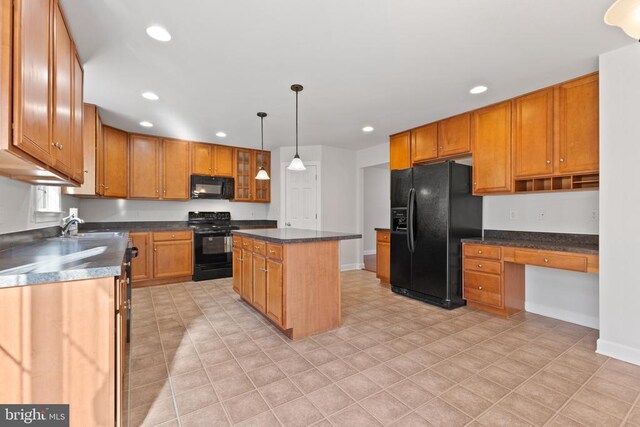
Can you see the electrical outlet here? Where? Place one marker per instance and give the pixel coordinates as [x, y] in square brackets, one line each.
[594, 215]
[542, 215]
[513, 214]
[73, 212]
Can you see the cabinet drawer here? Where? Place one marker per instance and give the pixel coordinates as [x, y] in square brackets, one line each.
[237, 241]
[274, 251]
[552, 260]
[482, 265]
[483, 288]
[482, 251]
[165, 236]
[259, 247]
[247, 244]
[384, 236]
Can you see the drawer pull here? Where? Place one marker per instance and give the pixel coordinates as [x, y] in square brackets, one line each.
[264, 270]
[546, 260]
[479, 265]
[173, 236]
[480, 287]
[271, 251]
[479, 252]
[256, 247]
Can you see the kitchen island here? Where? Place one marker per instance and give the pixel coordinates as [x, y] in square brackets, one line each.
[291, 276]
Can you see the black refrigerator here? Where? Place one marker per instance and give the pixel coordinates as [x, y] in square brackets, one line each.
[432, 208]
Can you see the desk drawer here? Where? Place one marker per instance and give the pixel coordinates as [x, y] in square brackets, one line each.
[552, 260]
[260, 247]
[483, 288]
[166, 236]
[482, 265]
[482, 251]
[274, 251]
[384, 236]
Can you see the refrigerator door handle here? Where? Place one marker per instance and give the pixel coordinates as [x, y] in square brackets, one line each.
[410, 221]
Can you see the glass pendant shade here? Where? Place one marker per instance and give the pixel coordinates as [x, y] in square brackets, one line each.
[296, 164]
[626, 15]
[262, 174]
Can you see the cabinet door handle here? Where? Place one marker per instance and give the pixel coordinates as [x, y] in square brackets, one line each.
[548, 162]
[271, 251]
[479, 265]
[561, 160]
[264, 270]
[173, 236]
[480, 287]
[546, 260]
[479, 252]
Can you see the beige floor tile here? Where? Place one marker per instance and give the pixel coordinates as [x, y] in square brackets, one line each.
[189, 381]
[410, 393]
[385, 407]
[498, 417]
[361, 361]
[320, 356]
[468, 402]
[280, 392]
[424, 357]
[265, 419]
[634, 416]
[223, 371]
[441, 414]
[358, 386]
[452, 371]
[432, 382]
[245, 406]
[148, 375]
[195, 399]
[589, 416]
[526, 409]
[603, 402]
[216, 356]
[158, 412]
[543, 395]
[266, 375]
[383, 375]
[254, 361]
[625, 394]
[412, 420]
[310, 381]
[502, 377]
[294, 365]
[146, 395]
[562, 421]
[354, 416]
[299, 412]
[330, 399]
[337, 370]
[233, 386]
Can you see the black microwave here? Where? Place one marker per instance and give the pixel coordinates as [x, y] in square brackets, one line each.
[211, 187]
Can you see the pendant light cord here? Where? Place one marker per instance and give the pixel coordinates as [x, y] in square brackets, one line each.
[262, 140]
[296, 124]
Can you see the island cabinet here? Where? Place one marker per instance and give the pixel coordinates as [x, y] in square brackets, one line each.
[65, 343]
[295, 282]
[163, 257]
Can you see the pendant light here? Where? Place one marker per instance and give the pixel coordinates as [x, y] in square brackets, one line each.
[626, 15]
[296, 163]
[262, 174]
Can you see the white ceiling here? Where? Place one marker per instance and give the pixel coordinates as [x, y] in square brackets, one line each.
[391, 64]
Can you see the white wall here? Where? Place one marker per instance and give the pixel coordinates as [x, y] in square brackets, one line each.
[620, 204]
[337, 187]
[107, 210]
[16, 212]
[376, 204]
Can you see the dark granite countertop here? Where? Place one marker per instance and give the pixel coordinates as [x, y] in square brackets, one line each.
[144, 226]
[382, 229]
[58, 259]
[561, 242]
[295, 235]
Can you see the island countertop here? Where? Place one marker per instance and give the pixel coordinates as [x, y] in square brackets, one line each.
[62, 259]
[295, 235]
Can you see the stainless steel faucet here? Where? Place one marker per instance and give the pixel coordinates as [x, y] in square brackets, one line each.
[67, 222]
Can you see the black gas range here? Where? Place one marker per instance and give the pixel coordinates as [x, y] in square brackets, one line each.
[212, 245]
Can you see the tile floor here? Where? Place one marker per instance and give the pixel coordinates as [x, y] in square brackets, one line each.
[201, 357]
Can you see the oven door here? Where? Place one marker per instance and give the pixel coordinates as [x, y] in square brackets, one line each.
[213, 249]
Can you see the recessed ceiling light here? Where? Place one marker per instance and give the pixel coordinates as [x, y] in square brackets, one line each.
[367, 129]
[150, 96]
[158, 33]
[146, 124]
[478, 89]
[221, 134]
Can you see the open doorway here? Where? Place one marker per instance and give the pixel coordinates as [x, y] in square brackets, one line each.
[375, 208]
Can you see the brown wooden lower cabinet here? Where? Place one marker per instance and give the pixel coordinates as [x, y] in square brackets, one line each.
[493, 276]
[163, 257]
[72, 351]
[296, 286]
[383, 256]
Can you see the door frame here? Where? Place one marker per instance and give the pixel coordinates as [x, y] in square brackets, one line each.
[283, 193]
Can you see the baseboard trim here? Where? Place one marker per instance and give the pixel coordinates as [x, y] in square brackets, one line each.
[371, 252]
[619, 351]
[349, 267]
[567, 316]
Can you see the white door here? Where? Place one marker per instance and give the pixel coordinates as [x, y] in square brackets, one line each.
[301, 204]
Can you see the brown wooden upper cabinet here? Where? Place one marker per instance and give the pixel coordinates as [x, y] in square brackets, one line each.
[32, 78]
[47, 92]
[578, 125]
[214, 160]
[144, 167]
[533, 134]
[491, 140]
[454, 135]
[114, 157]
[89, 141]
[556, 129]
[175, 169]
[400, 151]
[245, 178]
[424, 143]
[262, 191]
